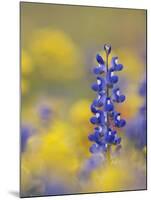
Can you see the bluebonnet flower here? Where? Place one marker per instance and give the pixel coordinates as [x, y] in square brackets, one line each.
[137, 127]
[99, 118]
[100, 85]
[105, 117]
[101, 65]
[100, 59]
[117, 97]
[118, 121]
[115, 65]
[99, 101]
[111, 137]
[111, 77]
[108, 106]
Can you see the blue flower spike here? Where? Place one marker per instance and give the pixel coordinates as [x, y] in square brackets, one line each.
[105, 118]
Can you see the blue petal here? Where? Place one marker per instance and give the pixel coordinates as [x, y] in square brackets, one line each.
[101, 118]
[109, 138]
[108, 106]
[113, 61]
[97, 129]
[93, 120]
[122, 122]
[112, 79]
[91, 137]
[93, 109]
[118, 67]
[117, 97]
[99, 59]
[95, 87]
[98, 70]
[115, 65]
[117, 140]
[119, 123]
[102, 83]
[122, 98]
[114, 132]
[98, 102]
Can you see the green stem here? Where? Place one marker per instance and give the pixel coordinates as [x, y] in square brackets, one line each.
[108, 123]
[107, 89]
[108, 154]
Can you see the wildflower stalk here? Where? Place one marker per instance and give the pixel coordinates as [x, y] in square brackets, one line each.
[108, 122]
[106, 119]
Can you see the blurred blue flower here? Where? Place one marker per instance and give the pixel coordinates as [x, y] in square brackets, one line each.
[137, 127]
[92, 163]
[136, 131]
[26, 132]
[143, 88]
[45, 112]
[55, 187]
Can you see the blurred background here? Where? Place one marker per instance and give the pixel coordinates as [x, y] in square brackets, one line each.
[58, 48]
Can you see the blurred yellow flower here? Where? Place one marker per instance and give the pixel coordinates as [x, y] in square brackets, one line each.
[50, 152]
[131, 106]
[79, 114]
[55, 54]
[26, 69]
[80, 111]
[126, 172]
[113, 178]
[24, 86]
[133, 66]
[26, 63]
